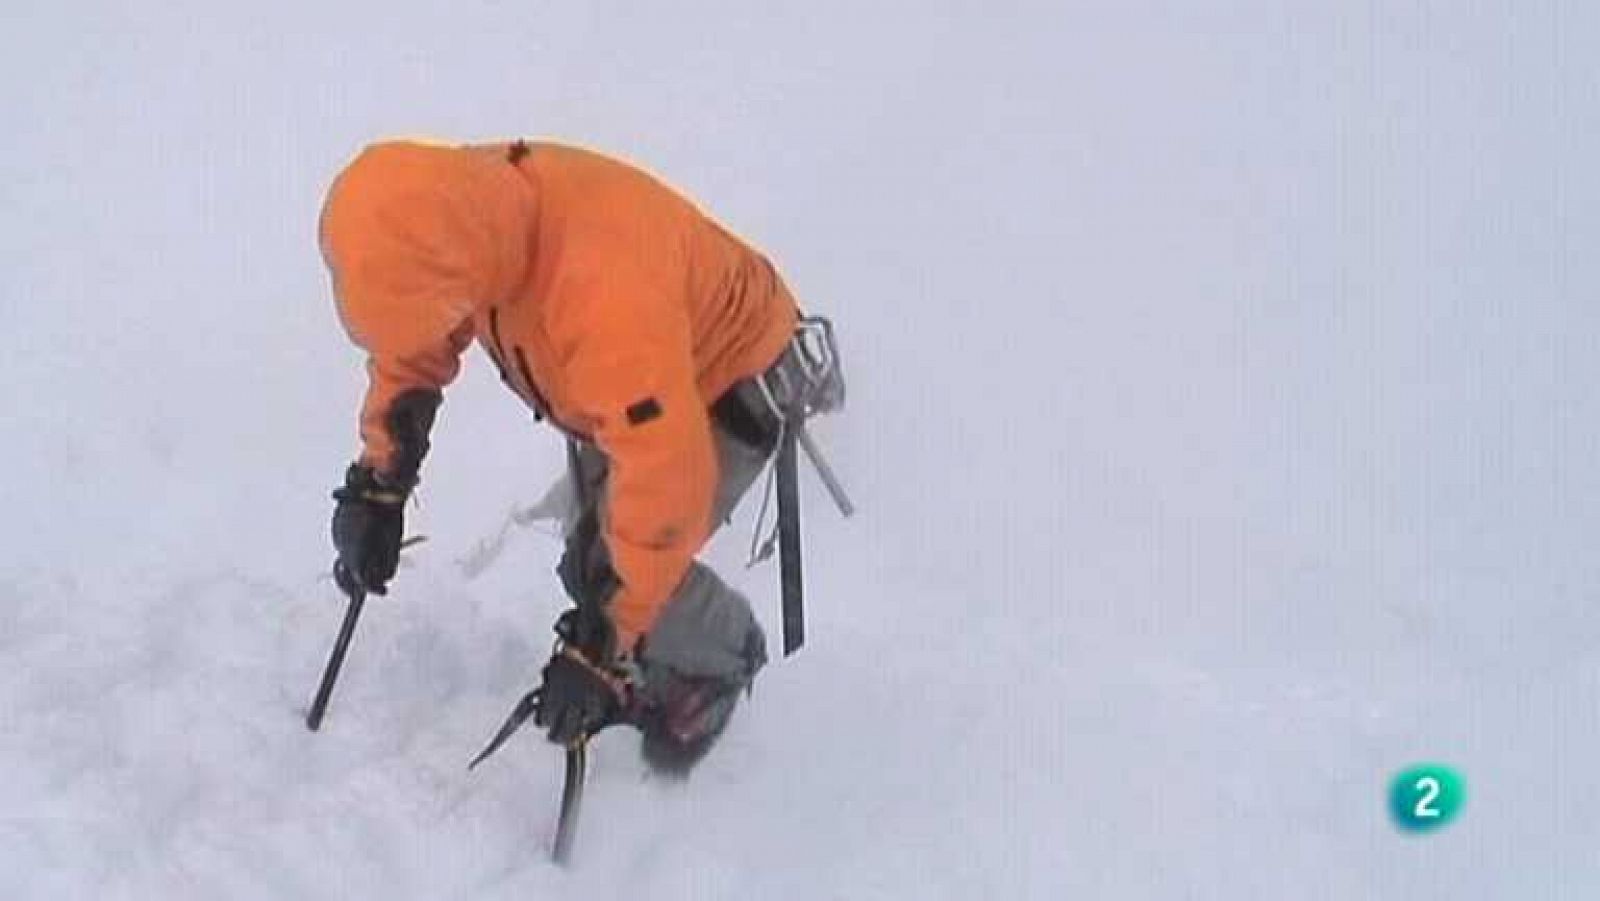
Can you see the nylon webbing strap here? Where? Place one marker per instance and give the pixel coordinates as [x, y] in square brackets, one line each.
[789, 569]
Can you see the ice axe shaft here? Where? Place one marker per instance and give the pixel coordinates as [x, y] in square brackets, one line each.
[571, 799]
[341, 645]
[330, 673]
[577, 762]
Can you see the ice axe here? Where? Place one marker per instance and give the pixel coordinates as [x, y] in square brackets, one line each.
[341, 645]
[571, 799]
[330, 673]
[576, 750]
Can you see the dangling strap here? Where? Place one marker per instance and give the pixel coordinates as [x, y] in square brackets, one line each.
[761, 550]
[807, 380]
[789, 568]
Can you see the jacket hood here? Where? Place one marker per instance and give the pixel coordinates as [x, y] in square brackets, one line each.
[419, 237]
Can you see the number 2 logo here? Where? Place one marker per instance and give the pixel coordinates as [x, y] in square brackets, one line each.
[1429, 787]
[1425, 797]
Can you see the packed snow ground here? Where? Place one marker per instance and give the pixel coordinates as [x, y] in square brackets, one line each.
[1225, 415]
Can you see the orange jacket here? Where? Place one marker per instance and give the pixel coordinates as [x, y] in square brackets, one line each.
[608, 302]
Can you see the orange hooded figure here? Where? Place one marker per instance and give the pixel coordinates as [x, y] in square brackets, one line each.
[608, 302]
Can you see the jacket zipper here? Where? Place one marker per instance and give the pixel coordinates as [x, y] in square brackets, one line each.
[533, 396]
[497, 353]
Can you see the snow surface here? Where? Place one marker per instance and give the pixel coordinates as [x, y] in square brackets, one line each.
[1225, 419]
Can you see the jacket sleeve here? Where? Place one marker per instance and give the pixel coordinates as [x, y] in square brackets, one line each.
[631, 379]
[425, 370]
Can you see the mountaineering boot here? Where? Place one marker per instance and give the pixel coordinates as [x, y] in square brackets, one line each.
[683, 722]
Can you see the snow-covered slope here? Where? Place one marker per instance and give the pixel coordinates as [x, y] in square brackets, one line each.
[1224, 422]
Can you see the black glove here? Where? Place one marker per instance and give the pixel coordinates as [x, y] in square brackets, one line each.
[585, 688]
[367, 524]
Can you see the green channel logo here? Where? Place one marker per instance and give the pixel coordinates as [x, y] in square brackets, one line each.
[1426, 797]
